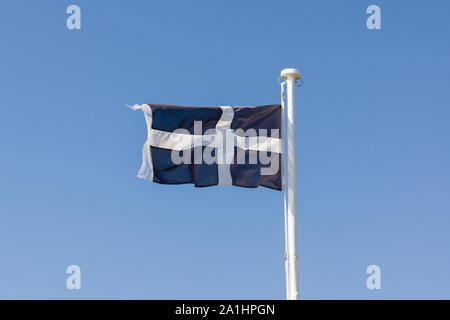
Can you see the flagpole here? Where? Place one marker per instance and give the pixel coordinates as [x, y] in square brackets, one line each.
[291, 76]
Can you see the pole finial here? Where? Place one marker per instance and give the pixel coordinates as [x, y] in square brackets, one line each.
[290, 73]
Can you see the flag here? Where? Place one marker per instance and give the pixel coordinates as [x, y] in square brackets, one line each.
[207, 146]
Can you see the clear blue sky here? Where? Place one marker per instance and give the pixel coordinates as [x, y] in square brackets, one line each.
[373, 134]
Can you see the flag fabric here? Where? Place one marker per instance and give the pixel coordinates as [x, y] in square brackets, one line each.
[207, 146]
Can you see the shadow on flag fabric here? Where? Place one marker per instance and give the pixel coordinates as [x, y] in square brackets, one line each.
[207, 146]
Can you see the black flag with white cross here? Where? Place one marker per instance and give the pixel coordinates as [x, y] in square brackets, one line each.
[208, 146]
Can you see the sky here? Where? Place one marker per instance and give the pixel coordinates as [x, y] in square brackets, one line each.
[372, 133]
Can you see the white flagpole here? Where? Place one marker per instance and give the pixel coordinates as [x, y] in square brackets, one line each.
[291, 76]
[283, 187]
